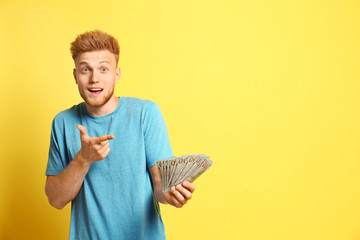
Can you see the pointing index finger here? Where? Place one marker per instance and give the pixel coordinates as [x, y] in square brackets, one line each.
[103, 138]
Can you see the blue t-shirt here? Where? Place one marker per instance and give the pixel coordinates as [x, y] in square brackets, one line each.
[116, 199]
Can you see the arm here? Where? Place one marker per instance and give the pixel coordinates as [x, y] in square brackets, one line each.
[178, 195]
[64, 187]
[157, 146]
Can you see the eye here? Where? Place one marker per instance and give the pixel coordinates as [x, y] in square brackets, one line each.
[85, 70]
[103, 69]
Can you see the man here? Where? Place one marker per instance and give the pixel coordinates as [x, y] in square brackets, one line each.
[114, 193]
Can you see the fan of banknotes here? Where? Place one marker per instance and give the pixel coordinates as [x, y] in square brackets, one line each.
[175, 170]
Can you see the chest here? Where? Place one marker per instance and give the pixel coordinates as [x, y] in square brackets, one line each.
[127, 150]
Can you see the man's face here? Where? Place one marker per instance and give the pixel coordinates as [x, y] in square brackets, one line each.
[96, 75]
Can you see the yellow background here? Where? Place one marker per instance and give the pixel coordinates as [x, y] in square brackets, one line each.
[268, 89]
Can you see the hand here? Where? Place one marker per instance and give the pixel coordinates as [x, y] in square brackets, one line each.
[93, 149]
[179, 194]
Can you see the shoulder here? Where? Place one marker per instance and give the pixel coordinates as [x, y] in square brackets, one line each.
[70, 114]
[137, 102]
[137, 105]
[145, 109]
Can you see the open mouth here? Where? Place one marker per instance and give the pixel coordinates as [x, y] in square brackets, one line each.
[95, 91]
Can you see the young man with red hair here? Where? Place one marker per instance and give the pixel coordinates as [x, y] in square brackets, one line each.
[114, 193]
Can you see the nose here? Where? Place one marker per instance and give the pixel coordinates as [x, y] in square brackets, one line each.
[94, 77]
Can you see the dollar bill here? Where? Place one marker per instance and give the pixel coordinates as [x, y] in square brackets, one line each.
[175, 170]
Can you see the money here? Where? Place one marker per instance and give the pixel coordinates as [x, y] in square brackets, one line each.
[175, 170]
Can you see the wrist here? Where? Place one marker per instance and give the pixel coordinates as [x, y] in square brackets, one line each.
[160, 195]
[83, 161]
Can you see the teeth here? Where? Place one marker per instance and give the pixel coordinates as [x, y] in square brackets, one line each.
[95, 89]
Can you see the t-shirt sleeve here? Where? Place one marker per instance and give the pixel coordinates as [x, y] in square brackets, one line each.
[56, 162]
[156, 137]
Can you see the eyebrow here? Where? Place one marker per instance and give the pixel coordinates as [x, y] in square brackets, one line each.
[84, 62]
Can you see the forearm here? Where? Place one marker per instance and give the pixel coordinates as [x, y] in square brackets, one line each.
[64, 187]
[157, 186]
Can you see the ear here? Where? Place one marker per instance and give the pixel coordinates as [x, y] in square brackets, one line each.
[74, 73]
[117, 74]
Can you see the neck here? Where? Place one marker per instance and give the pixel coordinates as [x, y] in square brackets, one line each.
[103, 110]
